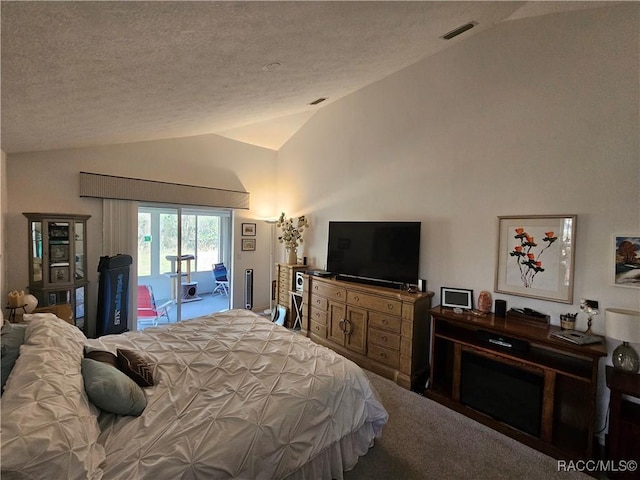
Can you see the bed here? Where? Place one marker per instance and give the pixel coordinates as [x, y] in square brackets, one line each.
[233, 396]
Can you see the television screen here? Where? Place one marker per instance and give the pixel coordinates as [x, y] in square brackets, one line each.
[375, 250]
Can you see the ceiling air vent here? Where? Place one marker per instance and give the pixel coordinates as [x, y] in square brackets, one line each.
[319, 100]
[459, 30]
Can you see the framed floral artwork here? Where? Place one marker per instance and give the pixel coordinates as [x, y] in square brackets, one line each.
[626, 252]
[535, 256]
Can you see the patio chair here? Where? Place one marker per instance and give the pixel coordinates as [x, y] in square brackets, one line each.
[147, 307]
[219, 272]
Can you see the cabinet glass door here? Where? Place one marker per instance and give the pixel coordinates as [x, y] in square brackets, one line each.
[36, 251]
[59, 264]
[80, 271]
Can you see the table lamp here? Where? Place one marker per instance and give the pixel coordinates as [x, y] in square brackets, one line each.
[624, 325]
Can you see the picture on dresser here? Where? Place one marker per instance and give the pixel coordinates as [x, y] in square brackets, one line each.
[535, 256]
[627, 261]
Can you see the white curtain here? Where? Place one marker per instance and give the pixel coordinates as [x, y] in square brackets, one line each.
[120, 236]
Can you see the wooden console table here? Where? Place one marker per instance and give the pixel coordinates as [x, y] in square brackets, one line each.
[566, 372]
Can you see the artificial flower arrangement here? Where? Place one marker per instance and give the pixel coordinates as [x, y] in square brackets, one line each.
[291, 231]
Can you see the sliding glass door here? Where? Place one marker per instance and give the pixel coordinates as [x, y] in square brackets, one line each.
[178, 248]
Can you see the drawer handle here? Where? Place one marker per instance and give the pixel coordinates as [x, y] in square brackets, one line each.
[385, 322]
[315, 287]
[383, 355]
[389, 306]
[338, 294]
[318, 301]
[356, 298]
[384, 338]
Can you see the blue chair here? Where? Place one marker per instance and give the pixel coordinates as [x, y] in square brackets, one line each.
[220, 277]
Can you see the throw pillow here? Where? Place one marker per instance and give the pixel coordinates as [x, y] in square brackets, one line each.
[111, 390]
[135, 367]
[11, 337]
[102, 356]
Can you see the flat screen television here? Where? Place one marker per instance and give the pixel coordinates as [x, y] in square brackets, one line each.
[378, 251]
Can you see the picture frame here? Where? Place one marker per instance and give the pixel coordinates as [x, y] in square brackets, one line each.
[58, 253]
[626, 261]
[59, 275]
[248, 229]
[456, 298]
[536, 256]
[248, 244]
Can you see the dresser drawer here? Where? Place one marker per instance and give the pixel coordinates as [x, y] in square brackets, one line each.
[319, 316]
[371, 302]
[329, 291]
[384, 338]
[384, 355]
[319, 303]
[318, 329]
[385, 322]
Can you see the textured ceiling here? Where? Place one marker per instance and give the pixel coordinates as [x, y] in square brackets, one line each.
[92, 73]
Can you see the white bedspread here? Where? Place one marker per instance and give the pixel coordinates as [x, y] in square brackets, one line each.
[237, 396]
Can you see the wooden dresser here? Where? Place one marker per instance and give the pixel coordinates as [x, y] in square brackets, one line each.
[285, 283]
[383, 330]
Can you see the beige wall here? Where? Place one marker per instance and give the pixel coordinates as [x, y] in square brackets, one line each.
[535, 116]
[3, 210]
[49, 182]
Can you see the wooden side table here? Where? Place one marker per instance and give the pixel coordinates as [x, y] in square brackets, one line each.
[623, 439]
[12, 312]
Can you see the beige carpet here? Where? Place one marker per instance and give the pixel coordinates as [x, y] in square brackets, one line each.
[425, 440]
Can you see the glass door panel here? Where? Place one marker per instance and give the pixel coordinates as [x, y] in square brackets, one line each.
[80, 259]
[36, 250]
[177, 249]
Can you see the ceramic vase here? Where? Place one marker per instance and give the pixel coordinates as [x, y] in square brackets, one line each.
[292, 258]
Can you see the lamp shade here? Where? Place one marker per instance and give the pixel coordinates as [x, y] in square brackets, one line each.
[623, 325]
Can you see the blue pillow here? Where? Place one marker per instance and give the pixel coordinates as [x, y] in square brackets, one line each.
[111, 390]
[12, 334]
[11, 337]
[9, 356]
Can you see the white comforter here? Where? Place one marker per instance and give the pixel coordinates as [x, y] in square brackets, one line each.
[237, 396]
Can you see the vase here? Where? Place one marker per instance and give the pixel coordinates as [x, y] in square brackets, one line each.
[292, 256]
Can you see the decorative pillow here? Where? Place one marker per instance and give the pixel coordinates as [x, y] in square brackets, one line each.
[102, 356]
[135, 367]
[11, 337]
[111, 390]
[49, 428]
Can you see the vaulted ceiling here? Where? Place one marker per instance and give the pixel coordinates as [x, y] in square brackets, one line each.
[83, 73]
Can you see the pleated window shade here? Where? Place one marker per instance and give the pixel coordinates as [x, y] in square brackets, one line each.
[123, 188]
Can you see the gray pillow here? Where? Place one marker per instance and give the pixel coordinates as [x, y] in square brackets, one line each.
[111, 390]
[12, 334]
[9, 356]
[11, 337]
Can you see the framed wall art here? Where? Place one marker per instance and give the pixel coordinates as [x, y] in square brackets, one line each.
[248, 244]
[626, 254]
[535, 256]
[249, 229]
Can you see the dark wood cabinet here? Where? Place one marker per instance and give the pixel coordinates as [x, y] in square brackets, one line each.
[512, 376]
[623, 438]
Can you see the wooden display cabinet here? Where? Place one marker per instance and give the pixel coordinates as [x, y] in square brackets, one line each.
[58, 261]
[508, 355]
